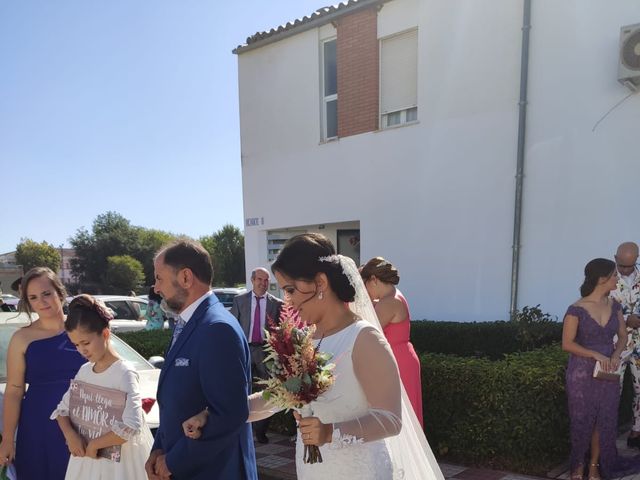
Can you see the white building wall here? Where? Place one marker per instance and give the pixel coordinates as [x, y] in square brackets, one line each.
[580, 184]
[436, 198]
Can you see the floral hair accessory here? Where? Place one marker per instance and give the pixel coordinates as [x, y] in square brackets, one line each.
[330, 259]
[341, 260]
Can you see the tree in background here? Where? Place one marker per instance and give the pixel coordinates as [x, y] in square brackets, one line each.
[113, 235]
[31, 254]
[123, 274]
[149, 242]
[226, 248]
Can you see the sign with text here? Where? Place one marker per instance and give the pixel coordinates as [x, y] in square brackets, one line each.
[93, 410]
[253, 222]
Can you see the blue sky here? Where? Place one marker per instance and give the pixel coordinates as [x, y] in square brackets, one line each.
[123, 105]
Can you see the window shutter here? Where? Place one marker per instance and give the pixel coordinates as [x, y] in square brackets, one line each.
[399, 72]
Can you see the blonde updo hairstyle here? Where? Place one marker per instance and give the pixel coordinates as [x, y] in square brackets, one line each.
[382, 269]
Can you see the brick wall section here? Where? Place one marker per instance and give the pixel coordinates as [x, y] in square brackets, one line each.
[358, 72]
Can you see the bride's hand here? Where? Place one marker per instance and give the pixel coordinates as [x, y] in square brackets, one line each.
[193, 426]
[313, 431]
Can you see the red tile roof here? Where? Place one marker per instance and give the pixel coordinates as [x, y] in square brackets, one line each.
[318, 18]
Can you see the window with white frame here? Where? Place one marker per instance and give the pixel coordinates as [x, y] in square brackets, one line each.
[276, 240]
[399, 79]
[329, 90]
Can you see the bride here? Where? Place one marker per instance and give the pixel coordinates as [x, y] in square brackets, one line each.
[364, 424]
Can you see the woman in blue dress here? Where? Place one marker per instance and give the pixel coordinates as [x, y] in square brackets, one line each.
[42, 356]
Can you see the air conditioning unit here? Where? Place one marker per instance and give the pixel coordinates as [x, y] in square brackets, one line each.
[629, 67]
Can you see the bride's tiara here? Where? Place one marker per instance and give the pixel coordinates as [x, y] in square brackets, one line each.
[344, 263]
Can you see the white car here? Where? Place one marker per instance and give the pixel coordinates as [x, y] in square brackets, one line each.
[149, 375]
[11, 301]
[129, 312]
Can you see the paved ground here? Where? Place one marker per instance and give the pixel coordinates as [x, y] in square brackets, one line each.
[276, 461]
[562, 471]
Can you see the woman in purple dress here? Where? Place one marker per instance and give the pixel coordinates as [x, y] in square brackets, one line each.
[590, 326]
[41, 356]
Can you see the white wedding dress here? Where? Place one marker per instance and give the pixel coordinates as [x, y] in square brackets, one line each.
[375, 438]
[345, 401]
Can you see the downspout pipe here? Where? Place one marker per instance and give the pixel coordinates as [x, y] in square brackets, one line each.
[522, 125]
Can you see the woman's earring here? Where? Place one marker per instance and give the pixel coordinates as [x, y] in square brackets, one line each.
[320, 295]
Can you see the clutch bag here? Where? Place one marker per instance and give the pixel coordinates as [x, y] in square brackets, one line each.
[600, 374]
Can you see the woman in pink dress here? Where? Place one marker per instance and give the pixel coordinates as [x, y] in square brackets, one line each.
[381, 277]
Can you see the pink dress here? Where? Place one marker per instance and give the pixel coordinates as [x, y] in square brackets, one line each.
[408, 363]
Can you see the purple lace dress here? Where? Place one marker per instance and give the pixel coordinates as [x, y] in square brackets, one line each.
[593, 403]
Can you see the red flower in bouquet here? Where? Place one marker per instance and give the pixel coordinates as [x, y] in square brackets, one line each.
[298, 372]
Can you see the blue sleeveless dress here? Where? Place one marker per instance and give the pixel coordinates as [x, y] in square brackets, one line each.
[41, 452]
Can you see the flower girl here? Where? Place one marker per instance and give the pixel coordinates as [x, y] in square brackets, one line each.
[101, 414]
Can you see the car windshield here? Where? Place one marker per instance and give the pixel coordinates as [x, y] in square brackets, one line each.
[121, 310]
[226, 298]
[124, 351]
[129, 354]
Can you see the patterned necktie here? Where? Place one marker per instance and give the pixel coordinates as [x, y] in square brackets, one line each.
[256, 335]
[180, 323]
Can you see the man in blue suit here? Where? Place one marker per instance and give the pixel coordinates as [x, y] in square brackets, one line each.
[207, 365]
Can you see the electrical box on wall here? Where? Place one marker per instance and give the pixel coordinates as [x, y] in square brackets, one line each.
[629, 64]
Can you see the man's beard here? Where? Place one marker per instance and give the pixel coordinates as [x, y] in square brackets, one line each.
[177, 303]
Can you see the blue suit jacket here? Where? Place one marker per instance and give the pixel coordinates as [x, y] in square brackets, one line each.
[210, 365]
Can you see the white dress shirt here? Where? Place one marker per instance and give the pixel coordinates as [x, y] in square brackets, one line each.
[188, 312]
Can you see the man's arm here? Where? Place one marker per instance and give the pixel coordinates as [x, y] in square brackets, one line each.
[156, 451]
[222, 363]
[157, 442]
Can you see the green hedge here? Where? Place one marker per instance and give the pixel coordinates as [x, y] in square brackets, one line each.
[509, 414]
[532, 329]
[148, 342]
[487, 339]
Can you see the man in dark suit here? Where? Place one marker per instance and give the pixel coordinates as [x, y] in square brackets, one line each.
[208, 365]
[253, 309]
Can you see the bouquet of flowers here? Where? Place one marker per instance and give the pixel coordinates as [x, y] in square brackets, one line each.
[298, 372]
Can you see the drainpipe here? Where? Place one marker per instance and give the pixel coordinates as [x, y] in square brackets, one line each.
[522, 123]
